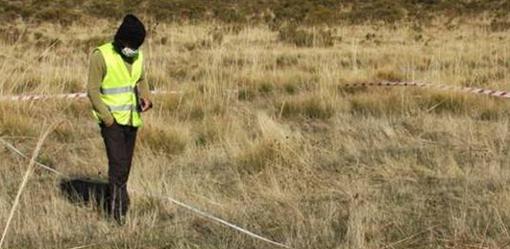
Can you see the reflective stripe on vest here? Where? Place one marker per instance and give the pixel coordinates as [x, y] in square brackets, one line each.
[118, 87]
[117, 90]
[119, 108]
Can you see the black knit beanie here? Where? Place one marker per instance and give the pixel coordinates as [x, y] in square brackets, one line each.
[131, 32]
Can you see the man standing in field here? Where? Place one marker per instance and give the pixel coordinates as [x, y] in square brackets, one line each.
[118, 95]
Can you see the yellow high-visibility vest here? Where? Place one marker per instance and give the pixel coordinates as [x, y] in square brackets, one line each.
[118, 87]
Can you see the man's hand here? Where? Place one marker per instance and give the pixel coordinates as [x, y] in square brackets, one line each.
[145, 104]
[109, 123]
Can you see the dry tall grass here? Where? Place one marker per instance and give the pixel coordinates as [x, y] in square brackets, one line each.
[291, 154]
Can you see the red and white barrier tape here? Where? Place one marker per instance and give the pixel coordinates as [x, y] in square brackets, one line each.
[43, 97]
[68, 96]
[473, 90]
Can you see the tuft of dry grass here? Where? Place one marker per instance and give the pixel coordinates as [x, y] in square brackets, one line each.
[26, 177]
[163, 139]
[312, 107]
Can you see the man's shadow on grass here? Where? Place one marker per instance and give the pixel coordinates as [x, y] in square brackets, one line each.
[86, 191]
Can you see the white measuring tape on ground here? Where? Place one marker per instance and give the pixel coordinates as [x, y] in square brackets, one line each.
[472, 90]
[162, 197]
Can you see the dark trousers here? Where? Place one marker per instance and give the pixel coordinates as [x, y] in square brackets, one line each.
[120, 144]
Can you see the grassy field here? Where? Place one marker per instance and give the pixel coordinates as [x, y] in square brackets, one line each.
[266, 135]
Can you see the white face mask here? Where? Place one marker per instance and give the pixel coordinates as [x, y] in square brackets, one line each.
[128, 52]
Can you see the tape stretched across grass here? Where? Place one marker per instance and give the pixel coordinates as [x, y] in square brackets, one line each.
[442, 87]
[33, 97]
[158, 196]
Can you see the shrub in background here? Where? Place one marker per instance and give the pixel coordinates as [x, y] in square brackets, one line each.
[306, 38]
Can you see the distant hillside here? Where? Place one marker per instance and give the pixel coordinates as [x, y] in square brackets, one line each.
[243, 11]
